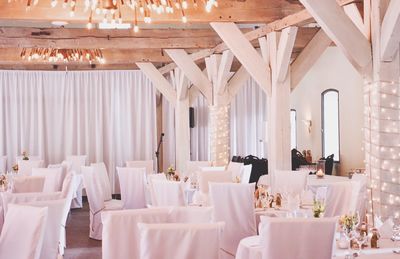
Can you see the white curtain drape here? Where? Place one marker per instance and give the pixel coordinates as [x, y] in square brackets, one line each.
[168, 125]
[199, 147]
[248, 121]
[107, 115]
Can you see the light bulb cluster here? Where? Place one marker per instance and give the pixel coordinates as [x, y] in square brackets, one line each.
[63, 55]
[110, 11]
[219, 134]
[382, 146]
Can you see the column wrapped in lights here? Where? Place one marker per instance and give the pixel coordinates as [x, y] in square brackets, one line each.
[382, 146]
[219, 134]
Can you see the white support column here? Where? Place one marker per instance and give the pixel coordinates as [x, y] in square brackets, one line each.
[382, 122]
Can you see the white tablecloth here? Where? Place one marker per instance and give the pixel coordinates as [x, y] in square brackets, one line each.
[313, 182]
[249, 248]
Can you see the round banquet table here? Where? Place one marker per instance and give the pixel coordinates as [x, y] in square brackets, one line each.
[314, 182]
[250, 248]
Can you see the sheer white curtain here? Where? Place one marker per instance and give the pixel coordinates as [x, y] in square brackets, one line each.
[199, 147]
[248, 121]
[107, 115]
[168, 125]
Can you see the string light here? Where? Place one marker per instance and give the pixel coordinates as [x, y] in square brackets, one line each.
[63, 55]
[219, 134]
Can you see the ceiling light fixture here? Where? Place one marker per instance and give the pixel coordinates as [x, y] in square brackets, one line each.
[110, 11]
[63, 55]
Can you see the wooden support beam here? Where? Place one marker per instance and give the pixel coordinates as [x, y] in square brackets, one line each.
[307, 58]
[192, 71]
[286, 43]
[354, 14]
[181, 83]
[245, 53]
[338, 26]
[390, 33]
[299, 17]
[159, 81]
[224, 70]
[235, 83]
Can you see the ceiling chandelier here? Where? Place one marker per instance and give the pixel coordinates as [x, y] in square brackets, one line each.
[109, 11]
[63, 55]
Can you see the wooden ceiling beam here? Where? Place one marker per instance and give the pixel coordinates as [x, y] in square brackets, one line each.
[253, 11]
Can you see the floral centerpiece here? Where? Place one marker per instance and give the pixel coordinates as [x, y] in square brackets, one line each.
[15, 168]
[349, 222]
[3, 182]
[170, 172]
[25, 155]
[318, 208]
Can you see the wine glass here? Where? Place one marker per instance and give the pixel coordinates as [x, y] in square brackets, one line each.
[348, 234]
[360, 238]
[396, 231]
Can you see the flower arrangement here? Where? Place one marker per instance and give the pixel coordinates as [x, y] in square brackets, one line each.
[318, 208]
[3, 182]
[171, 170]
[25, 155]
[15, 168]
[349, 222]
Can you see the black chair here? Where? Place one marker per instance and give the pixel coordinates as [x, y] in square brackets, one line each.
[297, 159]
[329, 165]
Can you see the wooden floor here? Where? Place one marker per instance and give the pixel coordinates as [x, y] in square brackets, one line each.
[79, 245]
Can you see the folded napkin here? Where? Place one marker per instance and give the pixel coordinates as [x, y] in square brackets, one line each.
[385, 228]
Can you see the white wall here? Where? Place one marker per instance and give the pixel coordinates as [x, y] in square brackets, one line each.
[332, 70]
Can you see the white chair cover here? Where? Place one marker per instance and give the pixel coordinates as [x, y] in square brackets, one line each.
[94, 190]
[314, 237]
[132, 185]
[76, 163]
[23, 184]
[66, 167]
[52, 230]
[246, 172]
[193, 166]
[53, 178]
[292, 182]
[152, 177]
[233, 204]
[236, 169]
[121, 237]
[167, 193]
[212, 168]
[3, 164]
[363, 196]
[101, 170]
[196, 241]
[22, 238]
[264, 180]
[148, 164]
[206, 177]
[191, 214]
[67, 193]
[341, 198]
[25, 166]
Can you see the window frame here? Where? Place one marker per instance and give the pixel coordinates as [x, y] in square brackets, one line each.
[295, 127]
[336, 159]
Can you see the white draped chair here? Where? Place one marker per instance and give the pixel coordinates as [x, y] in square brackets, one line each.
[314, 237]
[25, 166]
[101, 170]
[94, 184]
[132, 183]
[53, 178]
[23, 232]
[3, 164]
[291, 182]
[196, 241]
[361, 206]
[206, 177]
[53, 226]
[66, 167]
[212, 168]
[342, 198]
[76, 163]
[193, 166]
[246, 173]
[23, 184]
[121, 237]
[167, 193]
[233, 204]
[148, 164]
[190, 214]
[236, 169]
[157, 177]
